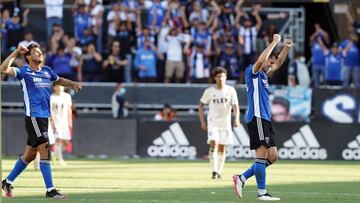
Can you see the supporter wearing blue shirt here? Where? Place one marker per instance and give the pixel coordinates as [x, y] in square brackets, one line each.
[61, 63]
[333, 64]
[351, 60]
[36, 81]
[156, 15]
[230, 61]
[318, 57]
[145, 62]
[82, 20]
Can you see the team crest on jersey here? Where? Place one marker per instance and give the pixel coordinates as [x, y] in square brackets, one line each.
[47, 75]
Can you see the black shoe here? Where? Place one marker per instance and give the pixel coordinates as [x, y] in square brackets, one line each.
[214, 174]
[55, 194]
[218, 176]
[7, 188]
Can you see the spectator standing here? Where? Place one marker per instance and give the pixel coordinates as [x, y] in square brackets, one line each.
[82, 21]
[351, 60]
[126, 39]
[199, 64]
[247, 38]
[76, 56]
[333, 64]
[15, 29]
[97, 14]
[54, 14]
[298, 73]
[174, 54]
[61, 63]
[114, 64]
[318, 57]
[145, 62]
[91, 64]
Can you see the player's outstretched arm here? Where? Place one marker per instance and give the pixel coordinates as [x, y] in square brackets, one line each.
[68, 83]
[266, 53]
[283, 54]
[202, 115]
[6, 65]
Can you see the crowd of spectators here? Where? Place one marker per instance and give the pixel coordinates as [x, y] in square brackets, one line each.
[172, 41]
[145, 41]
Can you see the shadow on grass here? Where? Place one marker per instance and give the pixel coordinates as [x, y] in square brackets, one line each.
[294, 193]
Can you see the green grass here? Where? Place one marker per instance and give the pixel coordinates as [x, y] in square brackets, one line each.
[187, 181]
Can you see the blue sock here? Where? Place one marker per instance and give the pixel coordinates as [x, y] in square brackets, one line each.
[19, 167]
[260, 173]
[46, 173]
[250, 171]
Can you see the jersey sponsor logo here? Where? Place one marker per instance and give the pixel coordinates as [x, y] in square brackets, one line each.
[241, 146]
[172, 143]
[220, 100]
[352, 152]
[302, 145]
[37, 79]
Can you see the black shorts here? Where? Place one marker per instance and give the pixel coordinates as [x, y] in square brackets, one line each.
[261, 133]
[37, 130]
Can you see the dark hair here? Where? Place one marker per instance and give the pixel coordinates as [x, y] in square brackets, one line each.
[30, 47]
[218, 70]
[281, 101]
[274, 54]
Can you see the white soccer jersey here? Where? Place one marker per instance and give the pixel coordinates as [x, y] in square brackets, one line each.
[60, 105]
[220, 102]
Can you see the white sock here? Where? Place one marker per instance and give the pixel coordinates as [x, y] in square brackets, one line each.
[213, 159]
[261, 191]
[58, 152]
[221, 161]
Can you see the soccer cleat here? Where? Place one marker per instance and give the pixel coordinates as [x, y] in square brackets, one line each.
[267, 197]
[218, 176]
[55, 194]
[238, 185]
[214, 174]
[7, 188]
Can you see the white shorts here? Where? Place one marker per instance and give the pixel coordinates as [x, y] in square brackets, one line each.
[62, 133]
[221, 136]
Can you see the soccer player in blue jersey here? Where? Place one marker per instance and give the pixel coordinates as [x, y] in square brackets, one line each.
[36, 81]
[258, 118]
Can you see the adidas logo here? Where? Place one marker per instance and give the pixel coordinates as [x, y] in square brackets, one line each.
[352, 152]
[172, 143]
[241, 146]
[303, 145]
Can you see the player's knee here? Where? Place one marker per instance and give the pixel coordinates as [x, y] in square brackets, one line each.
[212, 145]
[273, 157]
[45, 153]
[221, 148]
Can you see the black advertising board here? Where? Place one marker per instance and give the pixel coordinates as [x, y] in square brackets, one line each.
[315, 141]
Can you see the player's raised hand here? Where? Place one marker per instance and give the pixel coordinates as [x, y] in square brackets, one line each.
[288, 43]
[276, 38]
[22, 49]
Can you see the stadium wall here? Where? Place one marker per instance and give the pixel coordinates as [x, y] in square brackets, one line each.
[318, 140]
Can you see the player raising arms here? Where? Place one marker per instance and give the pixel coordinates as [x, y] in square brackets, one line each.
[221, 98]
[36, 81]
[259, 118]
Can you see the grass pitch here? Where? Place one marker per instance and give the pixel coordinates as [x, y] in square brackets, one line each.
[147, 181]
